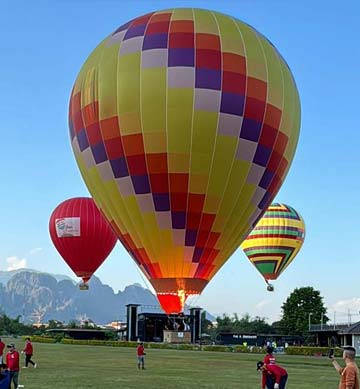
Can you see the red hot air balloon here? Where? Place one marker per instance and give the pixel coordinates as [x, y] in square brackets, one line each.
[81, 235]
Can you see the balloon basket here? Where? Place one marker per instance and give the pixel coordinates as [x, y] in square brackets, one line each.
[83, 286]
[270, 288]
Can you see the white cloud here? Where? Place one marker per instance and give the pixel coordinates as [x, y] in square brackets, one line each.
[352, 305]
[14, 263]
[344, 311]
[35, 250]
[262, 304]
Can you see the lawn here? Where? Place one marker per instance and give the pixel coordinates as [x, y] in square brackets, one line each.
[67, 366]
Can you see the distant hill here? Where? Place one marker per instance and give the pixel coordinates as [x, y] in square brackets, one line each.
[6, 275]
[39, 296]
[33, 294]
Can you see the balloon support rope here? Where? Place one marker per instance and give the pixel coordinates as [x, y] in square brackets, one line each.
[142, 277]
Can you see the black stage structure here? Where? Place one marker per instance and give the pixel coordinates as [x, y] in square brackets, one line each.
[150, 326]
[259, 340]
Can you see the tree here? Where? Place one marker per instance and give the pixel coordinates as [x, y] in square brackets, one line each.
[72, 324]
[225, 324]
[244, 325]
[277, 327]
[10, 326]
[206, 325]
[55, 324]
[304, 305]
[260, 326]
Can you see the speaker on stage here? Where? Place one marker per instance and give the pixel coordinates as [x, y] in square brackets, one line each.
[195, 314]
[132, 322]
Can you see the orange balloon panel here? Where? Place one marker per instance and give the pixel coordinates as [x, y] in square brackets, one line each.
[184, 123]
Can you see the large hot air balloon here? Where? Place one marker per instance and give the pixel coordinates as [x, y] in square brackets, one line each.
[82, 236]
[184, 123]
[275, 241]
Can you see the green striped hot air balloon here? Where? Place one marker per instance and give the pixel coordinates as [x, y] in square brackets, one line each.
[275, 241]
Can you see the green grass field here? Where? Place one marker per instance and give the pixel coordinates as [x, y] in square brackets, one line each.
[67, 366]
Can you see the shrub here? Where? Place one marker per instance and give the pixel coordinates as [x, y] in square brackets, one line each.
[94, 342]
[58, 337]
[159, 345]
[217, 348]
[180, 346]
[185, 346]
[41, 339]
[311, 351]
[250, 349]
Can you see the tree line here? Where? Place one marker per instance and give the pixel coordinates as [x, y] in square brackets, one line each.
[302, 304]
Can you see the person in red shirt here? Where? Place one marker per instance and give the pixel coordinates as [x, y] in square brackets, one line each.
[2, 346]
[278, 374]
[28, 350]
[269, 359]
[12, 361]
[141, 355]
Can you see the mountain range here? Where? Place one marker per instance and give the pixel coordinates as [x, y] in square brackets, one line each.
[40, 297]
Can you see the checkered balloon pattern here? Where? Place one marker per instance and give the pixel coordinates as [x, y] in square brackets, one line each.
[275, 241]
[184, 123]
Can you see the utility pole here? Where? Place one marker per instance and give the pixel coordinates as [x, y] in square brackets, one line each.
[321, 320]
[310, 314]
[334, 318]
[349, 317]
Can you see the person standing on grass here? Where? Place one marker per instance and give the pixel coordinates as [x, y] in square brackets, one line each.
[140, 351]
[278, 374]
[13, 363]
[350, 373]
[28, 350]
[2, 346]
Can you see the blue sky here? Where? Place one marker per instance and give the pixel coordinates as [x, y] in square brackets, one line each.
[43, 45]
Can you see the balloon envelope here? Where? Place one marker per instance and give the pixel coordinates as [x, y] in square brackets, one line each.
[81, 235]
[184, 123]
[275, 241]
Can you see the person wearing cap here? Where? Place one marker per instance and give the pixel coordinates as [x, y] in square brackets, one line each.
[350, 373]
[2, 346]
[4, 376]
[12, 361]
[141, 355]
[279, 375]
